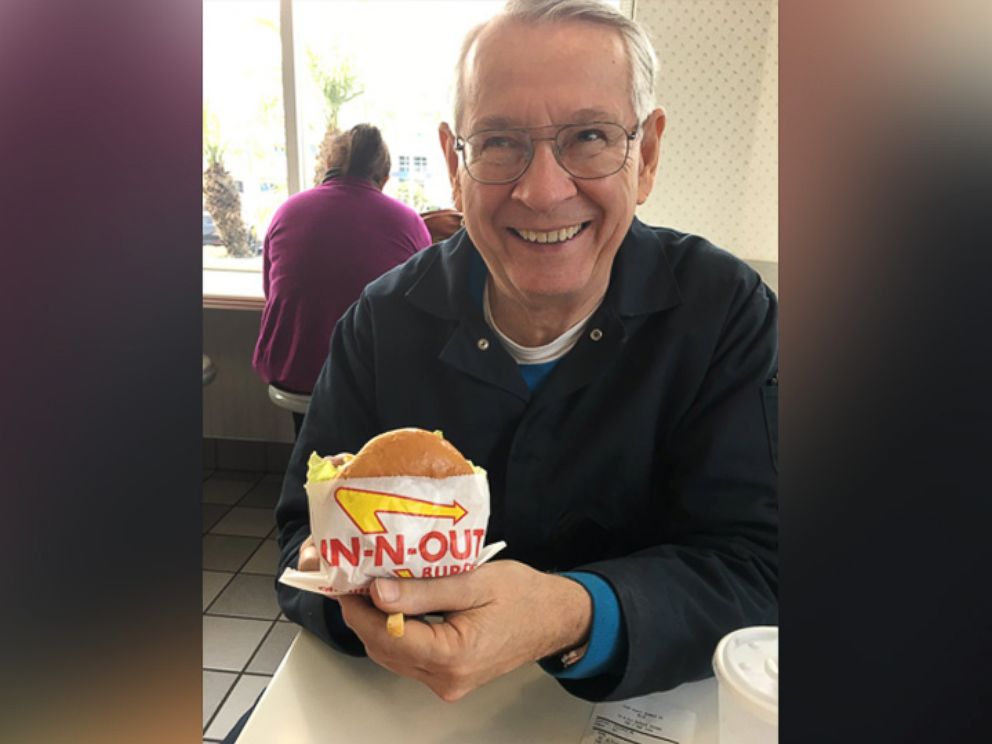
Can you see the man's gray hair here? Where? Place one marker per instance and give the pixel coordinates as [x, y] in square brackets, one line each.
[640, 53]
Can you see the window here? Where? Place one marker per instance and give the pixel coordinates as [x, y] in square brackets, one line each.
[386, 62]
[399, 58]
[243, 130]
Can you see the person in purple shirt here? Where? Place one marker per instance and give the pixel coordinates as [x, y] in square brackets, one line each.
[322, 247]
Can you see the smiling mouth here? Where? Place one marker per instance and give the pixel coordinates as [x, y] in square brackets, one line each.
[553, 236]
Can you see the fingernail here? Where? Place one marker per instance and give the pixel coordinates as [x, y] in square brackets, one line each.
[388, 590]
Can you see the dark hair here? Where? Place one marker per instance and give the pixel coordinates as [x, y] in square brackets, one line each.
[360, 152]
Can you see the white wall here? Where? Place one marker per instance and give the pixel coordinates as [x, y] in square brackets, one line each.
[718, 83]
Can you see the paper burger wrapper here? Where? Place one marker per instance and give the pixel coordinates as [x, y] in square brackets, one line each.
[398, 526]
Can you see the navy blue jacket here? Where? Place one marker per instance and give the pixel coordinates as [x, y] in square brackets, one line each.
[648, 456]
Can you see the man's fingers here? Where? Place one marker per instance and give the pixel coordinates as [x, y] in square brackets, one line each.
[413, 650]
[309, 557]
[423, 596]
[410, 656]
[357, 612]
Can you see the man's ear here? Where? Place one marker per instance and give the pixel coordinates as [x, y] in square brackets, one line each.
[447, 139]
[650, 151]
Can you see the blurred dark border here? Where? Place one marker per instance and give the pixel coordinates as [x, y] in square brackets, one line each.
[885, 364]
[101, 378]
[885, 370]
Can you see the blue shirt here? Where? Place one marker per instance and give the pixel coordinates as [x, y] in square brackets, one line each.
[606, 636]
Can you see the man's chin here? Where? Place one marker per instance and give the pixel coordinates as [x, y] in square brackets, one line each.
[550, 288]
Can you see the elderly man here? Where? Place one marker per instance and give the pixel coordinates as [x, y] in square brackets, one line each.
[617, 381]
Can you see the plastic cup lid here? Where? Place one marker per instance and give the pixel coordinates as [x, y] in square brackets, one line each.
[746, 661]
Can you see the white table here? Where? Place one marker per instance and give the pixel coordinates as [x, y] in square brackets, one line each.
[320, 695]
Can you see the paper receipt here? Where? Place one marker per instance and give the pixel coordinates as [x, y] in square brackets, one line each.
[643, 720]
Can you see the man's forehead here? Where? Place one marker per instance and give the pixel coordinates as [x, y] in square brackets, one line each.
[500, 56]
[578, 116]
[498, 37]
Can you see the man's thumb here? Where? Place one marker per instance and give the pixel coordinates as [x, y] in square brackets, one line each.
[309, 557]
[421, 596]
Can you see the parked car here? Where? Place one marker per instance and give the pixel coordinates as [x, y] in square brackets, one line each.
[210, 236]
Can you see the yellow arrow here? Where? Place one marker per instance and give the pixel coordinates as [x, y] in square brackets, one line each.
[364, 508]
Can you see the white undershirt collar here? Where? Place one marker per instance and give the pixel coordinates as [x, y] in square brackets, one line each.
[549, 352]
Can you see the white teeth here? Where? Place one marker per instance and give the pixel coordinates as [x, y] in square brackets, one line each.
[554, 236]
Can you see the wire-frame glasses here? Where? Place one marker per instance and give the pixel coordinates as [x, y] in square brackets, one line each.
[593, 150]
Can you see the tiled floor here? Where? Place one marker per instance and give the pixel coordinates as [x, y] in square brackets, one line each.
[244, 634]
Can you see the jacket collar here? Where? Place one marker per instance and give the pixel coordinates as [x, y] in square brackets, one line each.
[641, 281]
[445, 290]
[444, 287]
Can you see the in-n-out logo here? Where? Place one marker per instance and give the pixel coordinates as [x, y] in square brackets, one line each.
[454, 549]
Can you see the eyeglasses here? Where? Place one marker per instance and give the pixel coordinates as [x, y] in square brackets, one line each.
[594, 150]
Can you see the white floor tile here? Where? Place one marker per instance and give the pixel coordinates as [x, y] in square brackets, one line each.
[240, 455]
[222, 491]
[243, 520]
[265, 560]
[228, 643]
[263, 494]
[226, 552]
[209, 458]
[277, 456]
[248, 595]
[211, 514]
[215, 687]
[242, 697]
[213, 582]
[273, 648]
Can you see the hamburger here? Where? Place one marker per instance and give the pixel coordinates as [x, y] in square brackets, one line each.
[406, 451]
[400, 452]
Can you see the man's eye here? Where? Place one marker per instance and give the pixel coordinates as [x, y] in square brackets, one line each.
[500, 142]
[590, 135]
[586, 140]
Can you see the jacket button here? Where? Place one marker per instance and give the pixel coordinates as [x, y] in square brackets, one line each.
[483, 344]
[595, 334]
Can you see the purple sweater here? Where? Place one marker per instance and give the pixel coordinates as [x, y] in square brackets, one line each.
[323, 246]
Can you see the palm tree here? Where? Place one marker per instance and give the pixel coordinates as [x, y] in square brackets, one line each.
[339, 85]
[220, 193]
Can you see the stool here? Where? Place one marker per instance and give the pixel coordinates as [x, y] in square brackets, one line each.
[209, 370]
[295, 402]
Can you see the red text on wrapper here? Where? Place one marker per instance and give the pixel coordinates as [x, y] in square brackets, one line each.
[392, 550]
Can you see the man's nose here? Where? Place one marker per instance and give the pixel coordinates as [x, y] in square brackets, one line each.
[545, 184]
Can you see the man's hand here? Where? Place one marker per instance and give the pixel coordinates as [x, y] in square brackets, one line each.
[309, 557]
[496, 618]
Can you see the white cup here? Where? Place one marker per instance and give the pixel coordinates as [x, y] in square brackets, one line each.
[746, 667]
